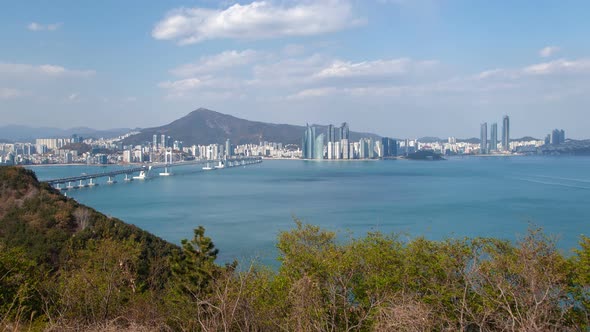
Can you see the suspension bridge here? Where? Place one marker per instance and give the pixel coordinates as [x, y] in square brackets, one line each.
[147, 171]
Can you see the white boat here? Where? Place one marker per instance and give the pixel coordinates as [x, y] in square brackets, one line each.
[142, 176]
[220, 165]
[208, 168]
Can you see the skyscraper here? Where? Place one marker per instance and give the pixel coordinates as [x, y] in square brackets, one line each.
[506, 133]
[493, 137]
[228, 149]
[307, 143]
[344, 131]
[318, 147]
[483, 149]
[163, 141]
[345, 148]
[331, 134]
[389, 147]
[557, 136]
[155, 142]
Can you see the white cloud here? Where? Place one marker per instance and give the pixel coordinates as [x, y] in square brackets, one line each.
[548, 51]
[8, 93]
[34, 26]
[312, 93]
[73, 97]
[257, 20]
[42, 70]
[560, 66]
[213, 63]
[181, 85]
[376, 68]
[289, 71]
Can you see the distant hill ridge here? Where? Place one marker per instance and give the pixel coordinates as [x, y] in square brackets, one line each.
[18, 133]
[204, 126]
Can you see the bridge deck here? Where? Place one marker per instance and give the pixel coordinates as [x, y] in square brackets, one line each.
[142, 168]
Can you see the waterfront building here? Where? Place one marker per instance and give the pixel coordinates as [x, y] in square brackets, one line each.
[557, 137]
[331, 134]
[127, 156]
[162, 141]
[338, 150]
[331, 154]
[389, 147]
[493, 137]
[319, 147]
[483, 138]
[345, 148]
[379, 149]
[506, 133]
[308, 142]
[228, 148]
[344, 131]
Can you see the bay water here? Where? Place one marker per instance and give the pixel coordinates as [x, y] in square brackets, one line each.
[244, 208]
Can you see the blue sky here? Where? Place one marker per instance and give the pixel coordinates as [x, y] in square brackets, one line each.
[402, 68]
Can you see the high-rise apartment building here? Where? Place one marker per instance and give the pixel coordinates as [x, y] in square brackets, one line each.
[331, 133]
[493, 137]
[389, 147]
[557, 137]
[506, 133]
[344, 131]
[318, 147]
[483, 135]
[228, 148]
[308, 141]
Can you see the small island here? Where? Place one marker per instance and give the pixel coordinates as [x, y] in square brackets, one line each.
[424, 155]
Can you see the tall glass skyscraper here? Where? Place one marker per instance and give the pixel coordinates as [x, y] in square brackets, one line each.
[506, 133]
[344, 131]
[318, 147]
[484, 138]
[331, 133]
[493, 137]
[307, 142]
[389, 147]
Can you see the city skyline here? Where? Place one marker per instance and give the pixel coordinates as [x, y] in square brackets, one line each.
[385, 65]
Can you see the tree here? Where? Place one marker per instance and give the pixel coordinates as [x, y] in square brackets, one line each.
[193, 267]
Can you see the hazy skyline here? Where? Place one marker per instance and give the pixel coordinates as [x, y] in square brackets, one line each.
[398, 68]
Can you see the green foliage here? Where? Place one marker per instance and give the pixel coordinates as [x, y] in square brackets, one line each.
[18, 281]
[579, 265]
[16, 179]
[193, 268]
[98, 282]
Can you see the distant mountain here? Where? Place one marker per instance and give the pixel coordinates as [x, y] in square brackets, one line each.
[29, 134]
[429, 139]
[471, 140]
[526, 138]
[204, 126]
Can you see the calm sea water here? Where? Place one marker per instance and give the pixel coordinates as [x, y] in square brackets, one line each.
[243, 209]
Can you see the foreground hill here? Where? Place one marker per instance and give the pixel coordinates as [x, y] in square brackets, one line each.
[37, 217]
[204, 126]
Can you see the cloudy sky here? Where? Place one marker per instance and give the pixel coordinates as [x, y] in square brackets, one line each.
[402, 68]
